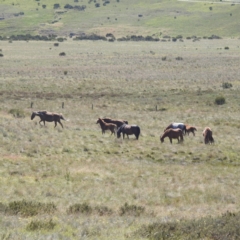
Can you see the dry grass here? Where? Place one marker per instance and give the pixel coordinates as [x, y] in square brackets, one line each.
[77, 165]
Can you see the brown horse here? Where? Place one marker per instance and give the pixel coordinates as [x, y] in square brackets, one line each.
[190, 129]
[48, 117]
[107, 126]
[129, 130]
[119, 123]
[207, 134]
[172, 133]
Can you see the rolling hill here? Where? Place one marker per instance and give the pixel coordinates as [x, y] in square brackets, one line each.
[120, 17]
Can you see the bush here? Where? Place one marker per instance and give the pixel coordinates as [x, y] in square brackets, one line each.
[1, 55]
[80, 208]
[62, 54]
[56, 44]
[131, 210]
[18, 113]
[220, 100]
[56, 6]
[40, 225]
[226, 85]
[28, 209]
[218, 228]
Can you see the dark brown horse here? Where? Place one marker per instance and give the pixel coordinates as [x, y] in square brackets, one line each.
[107, 126]
[172, 133]
[190, 129]
[207, 134]
[174, 125]
[48, 117]
[129, 130]
[119, 123]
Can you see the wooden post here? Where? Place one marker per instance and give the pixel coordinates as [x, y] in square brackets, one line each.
[31, 104]
[156, 107]
[92, 106]
[62, 104]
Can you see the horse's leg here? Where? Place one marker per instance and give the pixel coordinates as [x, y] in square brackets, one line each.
[170, 140]
[60, 123]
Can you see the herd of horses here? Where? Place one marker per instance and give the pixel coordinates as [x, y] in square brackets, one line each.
[173, 131]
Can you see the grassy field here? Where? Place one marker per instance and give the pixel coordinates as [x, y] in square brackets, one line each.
[121, 18]
[75, 183]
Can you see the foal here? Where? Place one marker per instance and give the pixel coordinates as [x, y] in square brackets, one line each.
[190, 129]
[107, 126]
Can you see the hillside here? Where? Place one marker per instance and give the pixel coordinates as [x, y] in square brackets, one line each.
[119, 17]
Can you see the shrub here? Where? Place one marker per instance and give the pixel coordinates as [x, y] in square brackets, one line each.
[226, 48]
[226, 85]
[80, 208]
[36, 225]
[27, 209]
[18, 113]
[131, 210]
[164, 58]
[56, 6]
[179, 58]
[220, 100]
[1, 55]
[56, 44]
[44, 6]
[65, 72]
[103, 210]
[62, 54]
[218, 228]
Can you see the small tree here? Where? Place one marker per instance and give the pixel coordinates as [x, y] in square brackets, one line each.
[220, 100]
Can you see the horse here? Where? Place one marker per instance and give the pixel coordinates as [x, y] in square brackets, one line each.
[172, 133]
[119, 123]
[48, 117]
[107, 126]
[207, 134]
[129, 130]
[190, 129]
[177, 125]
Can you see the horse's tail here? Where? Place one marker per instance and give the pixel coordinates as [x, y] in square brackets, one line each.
[138, 132]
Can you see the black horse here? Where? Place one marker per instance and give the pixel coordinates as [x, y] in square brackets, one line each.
[129, 130]
[48, 117]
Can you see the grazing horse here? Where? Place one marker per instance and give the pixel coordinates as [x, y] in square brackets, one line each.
[107, 126]
[172, 133]
[119, 123]
[190, 129]
[207, 134]
[129, 130]
[177, 125]
[48, 117]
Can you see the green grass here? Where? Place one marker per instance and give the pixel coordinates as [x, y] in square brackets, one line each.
[121, 18]
[71, 182]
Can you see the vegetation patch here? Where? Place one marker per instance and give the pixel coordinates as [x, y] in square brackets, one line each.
[133, 210]
[220, 100]
[27, 209]
[17, 113]
[223, 227]
[36, 225]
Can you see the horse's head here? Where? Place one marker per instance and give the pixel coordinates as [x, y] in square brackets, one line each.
[33, 115]
[162, 139]
[98, 121]
[125, 122]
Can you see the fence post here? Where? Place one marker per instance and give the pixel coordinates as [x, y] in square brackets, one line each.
[31, 104]
[156, 107]
[92, 106]
[62, 104]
